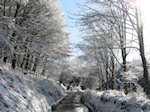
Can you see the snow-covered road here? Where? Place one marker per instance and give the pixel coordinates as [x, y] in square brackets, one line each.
[71, 103]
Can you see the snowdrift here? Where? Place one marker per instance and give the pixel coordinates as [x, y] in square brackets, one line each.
[20, 93]
[114, 101]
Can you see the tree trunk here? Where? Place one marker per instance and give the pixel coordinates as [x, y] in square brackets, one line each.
[44, 68]
[146, 74]
[35, 64]
[123, 50]
[13, 35]
[112, 71]
[4, 27]
[27, 62]
[144, 63]
[142, 51]
[101, 79]
[106, 68]
[30, 62]
[125, 70]
[23, 60]
[5, 59]
[14, 61]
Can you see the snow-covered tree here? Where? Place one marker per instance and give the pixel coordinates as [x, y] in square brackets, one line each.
[35, 31]
[116, 25]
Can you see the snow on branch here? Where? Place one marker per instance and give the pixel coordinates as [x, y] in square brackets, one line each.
[4, 40]
[23, 2]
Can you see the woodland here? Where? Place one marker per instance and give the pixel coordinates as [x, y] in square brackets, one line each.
[33, 39]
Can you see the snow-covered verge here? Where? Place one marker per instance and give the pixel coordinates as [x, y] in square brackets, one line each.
[20, 93]
[114, 101]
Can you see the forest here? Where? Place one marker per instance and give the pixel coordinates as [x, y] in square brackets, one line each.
[34, 39]
[32, 35]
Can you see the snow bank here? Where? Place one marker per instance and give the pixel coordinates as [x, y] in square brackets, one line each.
[20, 93]
[114, 101]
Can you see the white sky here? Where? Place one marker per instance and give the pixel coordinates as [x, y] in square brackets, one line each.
[146, 18]
[145, 8]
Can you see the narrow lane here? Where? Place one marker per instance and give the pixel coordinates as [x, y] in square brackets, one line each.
[71, 103]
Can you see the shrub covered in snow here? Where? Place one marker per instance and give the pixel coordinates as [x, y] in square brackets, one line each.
[114, 101]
